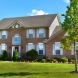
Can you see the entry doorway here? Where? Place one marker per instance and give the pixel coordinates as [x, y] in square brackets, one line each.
[18, 49]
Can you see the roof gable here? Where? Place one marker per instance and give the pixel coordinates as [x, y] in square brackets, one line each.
[15, 23]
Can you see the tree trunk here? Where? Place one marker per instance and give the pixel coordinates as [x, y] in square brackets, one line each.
[75, 56]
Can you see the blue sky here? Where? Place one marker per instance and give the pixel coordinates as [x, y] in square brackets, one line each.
[18, 8]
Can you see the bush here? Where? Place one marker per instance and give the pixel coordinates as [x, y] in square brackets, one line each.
[32, 54]
[4, 55]
[58, 59]
[48, 59]
[0, 57]
[72, 60]
[55, 61]
[64, 59]
[43, 60]
[38, 59]
[15, 55]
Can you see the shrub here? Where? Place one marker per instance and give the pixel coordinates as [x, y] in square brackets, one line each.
[48, 59]
[32, 54]
[72, 60]
[54, 61]
[64, 59]
[43, 60]
[0, 57]
[15, 55]
[58, 59]
[38, 59]
[4, 55]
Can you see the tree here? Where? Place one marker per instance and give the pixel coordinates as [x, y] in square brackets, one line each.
[4, 55]
[15, 55]
[32, 54]
[70, 25]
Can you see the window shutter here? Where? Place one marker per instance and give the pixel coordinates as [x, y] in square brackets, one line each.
[37, 48]
[33, 33]
[44, 33]
[19, 51]
[54, 50]
[6, 34]
[37, 33]
[61, 53]
[0, 35]
[27, 34]
[43, 49]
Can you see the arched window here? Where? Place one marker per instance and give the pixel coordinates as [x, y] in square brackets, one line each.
[16, 40]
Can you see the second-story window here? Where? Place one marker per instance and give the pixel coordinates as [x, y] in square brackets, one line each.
[4, 34]
[16, 40]
[30, 33]
[41, 33]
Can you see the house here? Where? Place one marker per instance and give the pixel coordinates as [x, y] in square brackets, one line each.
[42, 33]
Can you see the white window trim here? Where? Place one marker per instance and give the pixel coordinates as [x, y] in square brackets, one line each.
[41, 49]
[54, 49]
[14, 37]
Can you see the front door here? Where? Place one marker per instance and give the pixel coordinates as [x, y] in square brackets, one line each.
[17, 48]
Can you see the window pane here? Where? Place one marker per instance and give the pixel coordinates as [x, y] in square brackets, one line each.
[16, 40]
[30, 46]
[3, 46]
[41, 46]
[30, 31]
[40, 51]
[41, 35]
[30, 35]
[58, 52]
[3, 36]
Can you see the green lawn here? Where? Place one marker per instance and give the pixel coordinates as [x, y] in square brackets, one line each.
[36, 70]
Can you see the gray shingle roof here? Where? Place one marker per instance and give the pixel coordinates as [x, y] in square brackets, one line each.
[29, 21]
[56, 32]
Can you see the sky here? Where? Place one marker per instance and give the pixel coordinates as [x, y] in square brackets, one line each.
[19, 8]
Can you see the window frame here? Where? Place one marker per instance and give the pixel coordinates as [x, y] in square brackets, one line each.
[13, 40]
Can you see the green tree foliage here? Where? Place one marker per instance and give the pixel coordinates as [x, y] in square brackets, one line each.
[70, 25]
[4, 55]
[15, 55]
[32, 54]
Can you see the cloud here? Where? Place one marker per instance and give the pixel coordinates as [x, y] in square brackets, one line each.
[37, 12]
[67, 1]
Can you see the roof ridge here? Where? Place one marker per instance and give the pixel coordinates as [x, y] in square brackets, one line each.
[29, 16]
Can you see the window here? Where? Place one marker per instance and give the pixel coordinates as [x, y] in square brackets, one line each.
[41, 48]
[3, 46]
[30, 33]
[57, 50]
[16, 26]
[16, 40]
[4, 34]
[30, 46]
[41, 33]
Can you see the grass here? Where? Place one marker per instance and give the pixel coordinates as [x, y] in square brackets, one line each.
[36, 70]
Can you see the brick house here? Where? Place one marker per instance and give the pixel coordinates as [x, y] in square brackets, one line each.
[42, 33]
